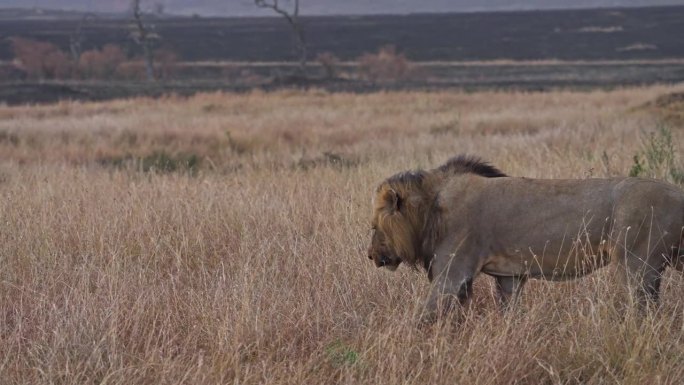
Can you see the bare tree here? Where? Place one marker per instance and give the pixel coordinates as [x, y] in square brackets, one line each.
[144, 38]
[76, 37]
[292, 18]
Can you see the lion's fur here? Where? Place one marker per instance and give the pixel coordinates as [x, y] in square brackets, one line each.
[467, 217]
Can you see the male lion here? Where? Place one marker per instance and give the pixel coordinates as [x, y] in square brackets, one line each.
[467, 217]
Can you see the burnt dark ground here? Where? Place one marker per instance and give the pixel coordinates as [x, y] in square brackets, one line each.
[635, 41]
[534, 35]
[536, 78]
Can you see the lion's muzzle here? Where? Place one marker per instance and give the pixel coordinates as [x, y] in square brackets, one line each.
[382, 261]
[378, 259]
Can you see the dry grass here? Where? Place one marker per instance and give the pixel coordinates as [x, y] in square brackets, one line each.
[250, 267]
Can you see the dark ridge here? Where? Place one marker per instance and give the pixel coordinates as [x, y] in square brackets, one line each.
[532, 35]
[462, 164]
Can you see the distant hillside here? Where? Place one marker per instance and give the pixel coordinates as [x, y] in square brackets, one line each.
[615, 34]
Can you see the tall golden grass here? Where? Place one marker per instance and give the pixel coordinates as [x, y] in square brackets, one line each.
[249, 265]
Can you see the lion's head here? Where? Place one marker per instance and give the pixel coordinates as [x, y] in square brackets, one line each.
[398, 220]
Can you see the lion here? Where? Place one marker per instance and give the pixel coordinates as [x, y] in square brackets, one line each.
[467, 217]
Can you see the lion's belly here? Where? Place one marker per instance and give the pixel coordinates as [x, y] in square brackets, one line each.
[554, 263]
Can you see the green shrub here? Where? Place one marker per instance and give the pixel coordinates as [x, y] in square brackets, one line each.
[658, 158]
[339, 354]
[158, 161]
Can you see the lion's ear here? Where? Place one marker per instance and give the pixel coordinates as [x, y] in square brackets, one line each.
[392, 200]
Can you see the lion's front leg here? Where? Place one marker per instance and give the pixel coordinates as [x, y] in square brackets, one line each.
[452, 285]
[445, 298]
[508, 289]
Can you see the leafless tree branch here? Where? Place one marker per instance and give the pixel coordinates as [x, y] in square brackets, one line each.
[143, 38]
[292, 19]
[76, 37]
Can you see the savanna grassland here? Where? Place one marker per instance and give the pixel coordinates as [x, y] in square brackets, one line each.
[221, 238]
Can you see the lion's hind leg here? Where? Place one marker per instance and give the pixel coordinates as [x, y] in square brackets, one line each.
[676, 259]
[641, 271]
[508, 290]
[644, 244]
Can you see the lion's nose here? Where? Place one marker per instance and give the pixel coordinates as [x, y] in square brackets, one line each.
[383, 261]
